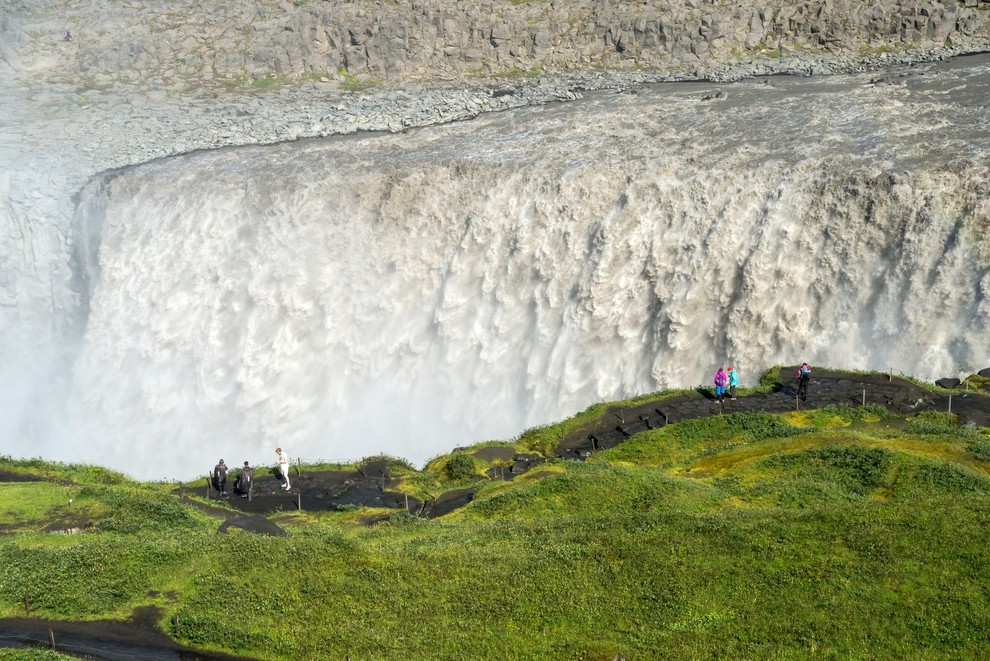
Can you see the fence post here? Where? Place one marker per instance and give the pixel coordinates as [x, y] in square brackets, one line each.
[950, 402]
[864, 396]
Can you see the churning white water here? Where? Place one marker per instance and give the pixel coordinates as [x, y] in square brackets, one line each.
[408, 293]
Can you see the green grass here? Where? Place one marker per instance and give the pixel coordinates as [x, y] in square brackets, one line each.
[833, 533]
[29, 501]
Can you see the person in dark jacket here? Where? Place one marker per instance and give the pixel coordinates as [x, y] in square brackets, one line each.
[803, 377]
[220, 478]
[245, 482]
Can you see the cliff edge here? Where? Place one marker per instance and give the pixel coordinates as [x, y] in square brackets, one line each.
[185, 46]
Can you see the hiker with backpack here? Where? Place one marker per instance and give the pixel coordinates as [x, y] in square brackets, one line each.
[244, 486]
[720, 380]
[803, 377]
[733, 382]
[220, 478]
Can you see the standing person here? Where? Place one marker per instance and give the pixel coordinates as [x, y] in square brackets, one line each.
[733, 382]
[283, 466]
[247, 481]
[803, 377]
[220, 477]
[720, 380]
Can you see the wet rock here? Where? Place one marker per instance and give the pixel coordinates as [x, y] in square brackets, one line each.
[524, 462]
[378, 468]
[447, 503]
[494, 453]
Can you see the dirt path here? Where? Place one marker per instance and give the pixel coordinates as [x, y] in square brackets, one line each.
[826, 387]
[104, 640]
[372, 484]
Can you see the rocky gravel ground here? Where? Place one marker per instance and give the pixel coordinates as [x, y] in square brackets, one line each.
[90, 131]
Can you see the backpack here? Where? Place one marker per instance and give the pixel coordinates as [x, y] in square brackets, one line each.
[720, 379]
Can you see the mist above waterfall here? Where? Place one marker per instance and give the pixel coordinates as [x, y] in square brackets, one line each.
[408, 293]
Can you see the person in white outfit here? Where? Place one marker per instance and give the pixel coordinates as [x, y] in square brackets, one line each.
[283, 465]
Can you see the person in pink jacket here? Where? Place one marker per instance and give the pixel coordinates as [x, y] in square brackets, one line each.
[721, 378]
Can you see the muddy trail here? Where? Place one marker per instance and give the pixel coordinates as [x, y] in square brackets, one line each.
[826, 388]
[369, 485]
[103, 640]
[372, 484]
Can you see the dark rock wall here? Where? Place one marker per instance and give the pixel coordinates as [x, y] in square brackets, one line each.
[436, 40]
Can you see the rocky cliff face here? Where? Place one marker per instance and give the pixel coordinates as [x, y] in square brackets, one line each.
[184, 43]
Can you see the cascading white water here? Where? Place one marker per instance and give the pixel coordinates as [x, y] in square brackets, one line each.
[408, 293]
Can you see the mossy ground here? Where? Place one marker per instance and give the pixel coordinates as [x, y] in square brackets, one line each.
[839, 532]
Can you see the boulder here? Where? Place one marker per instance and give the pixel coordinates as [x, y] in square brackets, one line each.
[947, 382]
[376, 468]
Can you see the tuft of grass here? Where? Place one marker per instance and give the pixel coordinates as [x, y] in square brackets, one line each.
[34, 655]
[857, 468]
[53, 471]
[36, 506]
[460, 467]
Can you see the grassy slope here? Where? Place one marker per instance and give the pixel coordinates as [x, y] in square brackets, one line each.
[832, 533]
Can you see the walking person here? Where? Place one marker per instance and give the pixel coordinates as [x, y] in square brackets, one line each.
[283, 466]
[720, 380]
[246, 482]
[803, 377]
[733, 382]
[220, 477]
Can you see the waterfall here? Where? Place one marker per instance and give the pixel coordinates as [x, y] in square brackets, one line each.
[409, 293]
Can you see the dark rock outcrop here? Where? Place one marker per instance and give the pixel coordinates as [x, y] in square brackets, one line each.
[230, 42]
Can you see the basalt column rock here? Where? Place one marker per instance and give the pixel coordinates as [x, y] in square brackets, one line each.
[432, 39]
